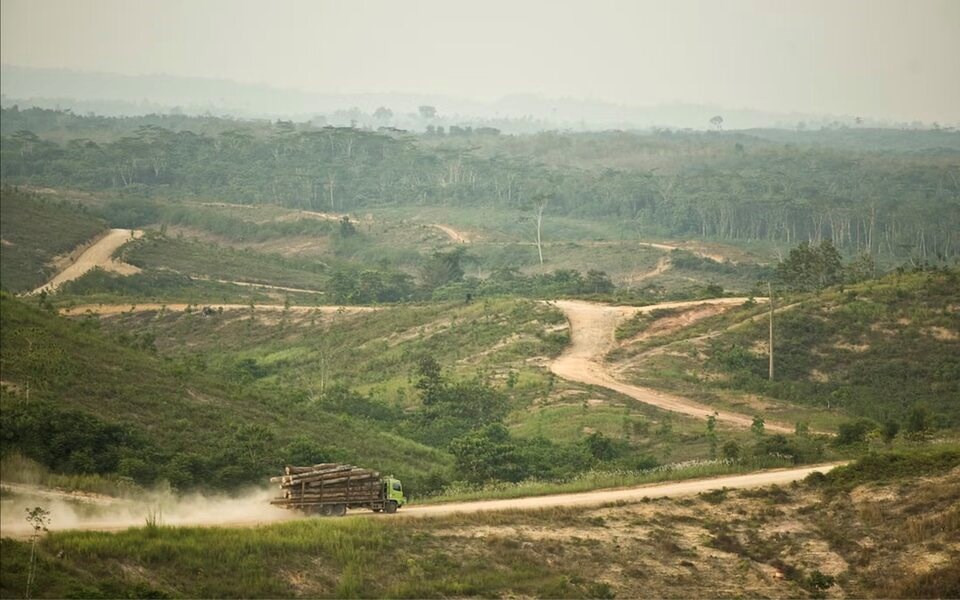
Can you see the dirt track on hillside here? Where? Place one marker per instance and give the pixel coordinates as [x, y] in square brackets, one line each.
[592, 329]
[100, 254]
[632, 494]
[116, 309]
[253, 509]
[670, 248]
[457, 236]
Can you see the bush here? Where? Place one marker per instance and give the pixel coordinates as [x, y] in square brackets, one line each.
[854, 432]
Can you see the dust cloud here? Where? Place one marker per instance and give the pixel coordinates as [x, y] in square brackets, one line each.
[95, 512]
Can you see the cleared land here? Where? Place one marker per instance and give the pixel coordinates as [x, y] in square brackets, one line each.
[592, 328]
[100, 254]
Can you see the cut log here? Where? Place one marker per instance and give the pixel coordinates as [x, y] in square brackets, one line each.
[291, 470]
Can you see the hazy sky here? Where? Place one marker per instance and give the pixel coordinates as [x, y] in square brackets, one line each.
[875, 58]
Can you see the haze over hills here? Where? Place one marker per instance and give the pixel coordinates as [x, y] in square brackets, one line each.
[608, 298]
[129, 95]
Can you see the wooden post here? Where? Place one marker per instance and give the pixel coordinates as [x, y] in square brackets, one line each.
[770, 300]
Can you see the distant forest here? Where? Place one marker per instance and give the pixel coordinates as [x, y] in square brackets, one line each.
[889, 193]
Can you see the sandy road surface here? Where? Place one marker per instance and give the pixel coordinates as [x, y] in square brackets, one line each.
[592, 329]
[632, 494]
[670, 248]
[100, 254]
[267, 286]
[457, 236]
[116, 309]
[254, 510]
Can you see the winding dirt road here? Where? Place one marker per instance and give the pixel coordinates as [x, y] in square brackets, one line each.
[592, 329]
[254, 510]
[670, 248]
[100, 254]
[631, 494]
[116, 309]
[457, 236]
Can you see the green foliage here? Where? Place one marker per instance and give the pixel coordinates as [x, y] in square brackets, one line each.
[488, 454]
[709, 188]
[509, 281]
[34, 230]
[69, 441]
[442, 268]
[878, 467]
[811, 268]
[854, 432]
[876, 350]
[601, 447]
[798, 450]
[87, 413]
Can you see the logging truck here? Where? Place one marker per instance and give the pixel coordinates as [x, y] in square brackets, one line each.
[329, 489]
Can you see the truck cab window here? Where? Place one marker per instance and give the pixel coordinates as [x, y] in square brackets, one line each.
[396, 486]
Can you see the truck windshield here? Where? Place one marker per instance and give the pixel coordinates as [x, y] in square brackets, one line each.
[396, 486]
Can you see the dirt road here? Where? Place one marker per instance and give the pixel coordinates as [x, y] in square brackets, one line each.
[100, 254]
[592, 329]
[116, 309]
[253, 509]
[670, 248]
[632, 494]
[267, 286]
[457, 236]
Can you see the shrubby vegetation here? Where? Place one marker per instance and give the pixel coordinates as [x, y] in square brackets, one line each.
[884, 349]
[892, 205]
[36, 229]
[77, 401]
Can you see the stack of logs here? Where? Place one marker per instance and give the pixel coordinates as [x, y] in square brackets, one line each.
[327, 483]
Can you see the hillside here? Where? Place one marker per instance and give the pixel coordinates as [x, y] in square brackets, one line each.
[36, 231]
[80, 401]
[882, 349]
[885, 527]
[718, 186]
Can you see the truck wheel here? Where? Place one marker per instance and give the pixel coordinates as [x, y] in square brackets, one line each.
[377, 510]
[390, 507]
[338, 510]
[323, 510]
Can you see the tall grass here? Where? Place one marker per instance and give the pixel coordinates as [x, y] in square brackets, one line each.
[16, 468]
[595, 480]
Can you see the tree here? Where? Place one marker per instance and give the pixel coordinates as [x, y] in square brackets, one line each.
[890, 430]
[443, 268]
[39, 519]
[539, 206]
[383, 114]
[712, 434]
[854, 432]
[598, 282]
[427, 111]
[429, 378]
[809, 268]
[731, 450]
[717, 122]
[918, 421]
[862, 269]
[347, 228]
[488, 454]
[600, 446]
[758, 426]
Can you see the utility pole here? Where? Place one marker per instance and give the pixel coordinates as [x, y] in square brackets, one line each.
[770, 301]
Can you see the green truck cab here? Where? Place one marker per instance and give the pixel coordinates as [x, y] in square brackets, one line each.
[393, 497]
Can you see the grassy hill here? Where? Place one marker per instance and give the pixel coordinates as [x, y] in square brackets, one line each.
[817, 539]
[34, 230]
[78, 400]
[877, 350]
